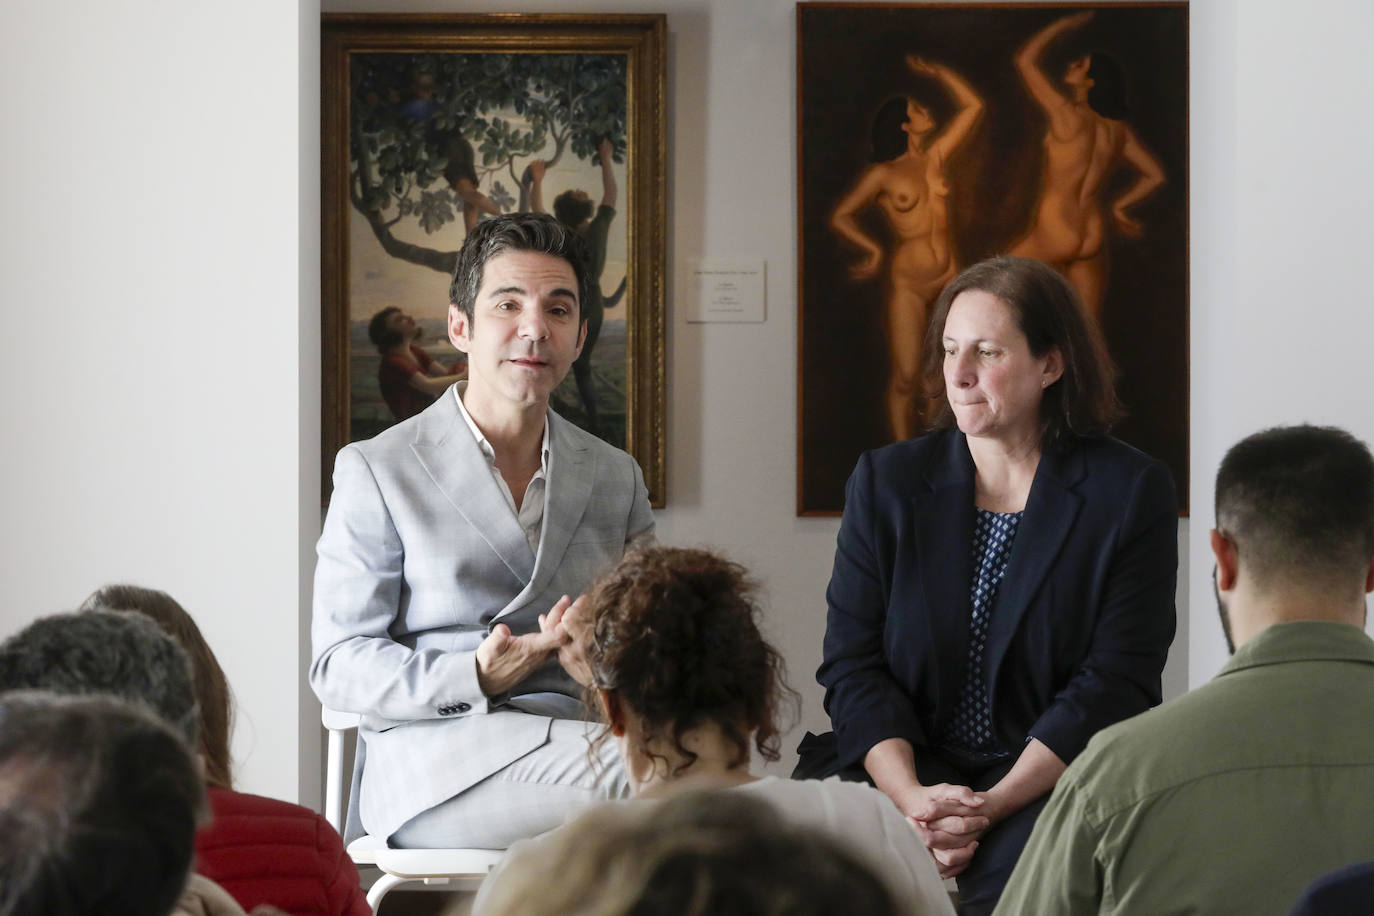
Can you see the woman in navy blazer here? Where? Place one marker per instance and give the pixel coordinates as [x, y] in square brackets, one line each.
[963, 669]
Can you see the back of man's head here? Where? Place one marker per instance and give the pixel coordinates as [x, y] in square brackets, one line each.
[112, 653]
[1298, 503]
[99, 803]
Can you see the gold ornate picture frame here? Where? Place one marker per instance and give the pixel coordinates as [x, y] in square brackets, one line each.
[429, 122]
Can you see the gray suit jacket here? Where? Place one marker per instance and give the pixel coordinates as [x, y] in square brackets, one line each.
[420, 556]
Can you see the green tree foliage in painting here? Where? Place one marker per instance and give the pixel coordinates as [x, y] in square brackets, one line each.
[417, 120]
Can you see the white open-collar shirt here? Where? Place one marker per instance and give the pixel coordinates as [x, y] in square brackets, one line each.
[530, 515]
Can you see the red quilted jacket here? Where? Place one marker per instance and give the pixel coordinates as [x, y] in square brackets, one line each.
[262, 850]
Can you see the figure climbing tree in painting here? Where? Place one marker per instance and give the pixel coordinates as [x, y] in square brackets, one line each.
[430, 132]
[1085, 138]
[574, 209]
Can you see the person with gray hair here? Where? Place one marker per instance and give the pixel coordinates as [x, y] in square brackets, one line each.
[99, 801]
[1232, 798]
[451, 548]
[104, 653]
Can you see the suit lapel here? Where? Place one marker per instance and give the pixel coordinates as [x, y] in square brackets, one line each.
[943, 522]
[1051, 510]
[450, 455]
[566, 495]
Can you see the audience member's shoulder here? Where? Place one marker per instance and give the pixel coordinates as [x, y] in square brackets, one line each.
[204, 897]
[1132, 758]
[244, 819]
[231, 802]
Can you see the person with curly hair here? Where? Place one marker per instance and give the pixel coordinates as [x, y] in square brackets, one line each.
[669, 648]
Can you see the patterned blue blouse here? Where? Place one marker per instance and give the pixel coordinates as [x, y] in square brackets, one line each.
[970, 731]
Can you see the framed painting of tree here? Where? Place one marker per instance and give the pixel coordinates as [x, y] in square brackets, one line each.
[431, 123]
[932, 136]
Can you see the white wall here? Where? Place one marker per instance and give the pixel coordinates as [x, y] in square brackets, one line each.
[160, 184]
[158, 278]
[1282, 194]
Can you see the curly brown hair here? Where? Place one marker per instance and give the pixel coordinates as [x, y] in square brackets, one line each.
[675, 635]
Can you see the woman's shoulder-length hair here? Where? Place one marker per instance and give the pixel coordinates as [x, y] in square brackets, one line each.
[1083, 402]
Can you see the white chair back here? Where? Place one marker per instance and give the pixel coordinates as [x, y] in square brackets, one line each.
[453, 869]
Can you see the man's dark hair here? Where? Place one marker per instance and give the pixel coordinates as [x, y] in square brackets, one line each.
[99, 803]
[1298, 502]
[113, 653]
[382, 336]
[572, 209]
[1083, 402]
[537, 232]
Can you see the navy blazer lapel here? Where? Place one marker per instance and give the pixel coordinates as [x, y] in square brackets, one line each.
[567, 492]
[943, 522]
[1051, 509]
[450, 455]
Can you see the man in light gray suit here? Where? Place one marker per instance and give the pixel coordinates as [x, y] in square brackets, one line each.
[452, 544]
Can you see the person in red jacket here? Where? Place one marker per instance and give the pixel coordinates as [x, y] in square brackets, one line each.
[261, 850]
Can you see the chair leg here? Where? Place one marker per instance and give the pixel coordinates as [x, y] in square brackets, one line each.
[381, 887]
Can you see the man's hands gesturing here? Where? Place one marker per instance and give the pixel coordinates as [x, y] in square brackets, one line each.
[504, 659]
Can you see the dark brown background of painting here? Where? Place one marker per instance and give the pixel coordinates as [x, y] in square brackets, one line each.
[850, 60]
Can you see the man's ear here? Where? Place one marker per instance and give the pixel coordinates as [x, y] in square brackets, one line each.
[459, 328]
[1369, 578]
[614, 711]
[1228, 560]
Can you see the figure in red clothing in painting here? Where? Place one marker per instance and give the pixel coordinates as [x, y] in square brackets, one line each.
[410, 378]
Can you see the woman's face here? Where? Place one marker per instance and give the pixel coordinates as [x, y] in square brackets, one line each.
[1077, 73]
[993, 383]
[918, 120]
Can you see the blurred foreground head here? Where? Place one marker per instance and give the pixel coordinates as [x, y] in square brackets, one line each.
[104, 653]
[99, 803]
[696, 854]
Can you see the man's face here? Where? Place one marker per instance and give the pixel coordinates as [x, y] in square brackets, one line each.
[1223, 613]
[525, 332]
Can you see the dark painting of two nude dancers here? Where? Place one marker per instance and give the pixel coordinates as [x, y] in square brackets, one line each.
[931, 137]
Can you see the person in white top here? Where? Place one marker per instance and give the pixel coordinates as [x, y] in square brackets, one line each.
[670, 650]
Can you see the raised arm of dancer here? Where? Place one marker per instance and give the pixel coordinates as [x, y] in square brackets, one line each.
[1151, 177]
[843, 222]
[1028, 60]
[970, 105]
[608, 188]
